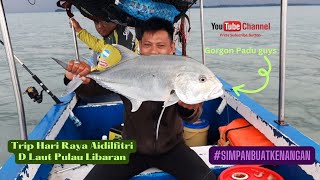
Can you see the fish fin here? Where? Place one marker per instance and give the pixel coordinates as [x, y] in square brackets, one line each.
[135, 104]
[61, 63]
[158, 124]
[125, 52]
[172, 99]
[73, 85]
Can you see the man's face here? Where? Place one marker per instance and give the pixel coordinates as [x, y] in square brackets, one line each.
[156, 42]
[105, 28]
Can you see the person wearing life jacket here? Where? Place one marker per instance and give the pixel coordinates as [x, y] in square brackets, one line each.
[108, 55]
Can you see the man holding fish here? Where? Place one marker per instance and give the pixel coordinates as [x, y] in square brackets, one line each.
[166, 96]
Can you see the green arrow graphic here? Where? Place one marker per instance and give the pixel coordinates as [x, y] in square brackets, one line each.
[262, 72]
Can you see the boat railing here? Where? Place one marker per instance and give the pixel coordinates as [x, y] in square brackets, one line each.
[202, 33]
[282, 68]
[13, 73]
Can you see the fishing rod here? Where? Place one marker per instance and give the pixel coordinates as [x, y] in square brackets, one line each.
[75, 42]
[32, 90]
[67, 6]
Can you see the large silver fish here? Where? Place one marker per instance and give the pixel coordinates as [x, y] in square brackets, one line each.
[166, 78]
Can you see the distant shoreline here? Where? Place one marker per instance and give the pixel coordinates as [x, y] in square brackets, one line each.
[254, 5]
[60, 10]
[63, 10]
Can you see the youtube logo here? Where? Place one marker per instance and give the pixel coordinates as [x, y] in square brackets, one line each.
[236, 26]
[232, 26]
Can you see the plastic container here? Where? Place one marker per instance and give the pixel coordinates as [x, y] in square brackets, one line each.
[195, 134]
[241, 133]
[242, 172]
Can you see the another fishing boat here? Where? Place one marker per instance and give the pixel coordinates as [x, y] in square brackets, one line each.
[75, 119]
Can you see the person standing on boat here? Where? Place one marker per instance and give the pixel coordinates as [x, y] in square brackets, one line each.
[112, 34]
[169, 153]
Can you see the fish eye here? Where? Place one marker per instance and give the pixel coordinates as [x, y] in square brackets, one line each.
[202, 79]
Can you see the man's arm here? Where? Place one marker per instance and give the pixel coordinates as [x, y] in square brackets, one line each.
[91, 41]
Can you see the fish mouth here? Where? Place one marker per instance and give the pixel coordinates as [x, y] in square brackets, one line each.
[216, 92]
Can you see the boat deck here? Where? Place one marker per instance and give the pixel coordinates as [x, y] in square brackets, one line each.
[77, 171]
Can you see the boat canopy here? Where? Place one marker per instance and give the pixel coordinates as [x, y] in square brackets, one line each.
[129, 12]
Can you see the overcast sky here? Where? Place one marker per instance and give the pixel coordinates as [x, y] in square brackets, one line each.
[50, 5]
